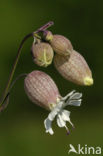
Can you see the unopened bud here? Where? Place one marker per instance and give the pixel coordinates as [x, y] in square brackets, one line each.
[74, 68]
[41, 89]
[42, 54]
[61, 45]
[48, 36]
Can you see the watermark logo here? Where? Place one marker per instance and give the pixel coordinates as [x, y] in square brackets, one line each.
[85, 149]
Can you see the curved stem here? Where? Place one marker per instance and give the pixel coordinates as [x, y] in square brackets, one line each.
[6, 100]
[17, 58]
[17, 78]
[14, 67]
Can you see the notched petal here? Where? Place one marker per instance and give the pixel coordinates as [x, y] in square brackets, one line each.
[68, 95]
[65, 115]
[52, 114]
[76, 96]
[47, 124]
[60, 121]
[74, 102]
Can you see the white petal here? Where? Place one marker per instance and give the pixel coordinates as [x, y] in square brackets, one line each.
[50, 131]
[60, 121]
[52, 114]
[74, 102]
[65, 115]
[68, 95]
[76, 96]
[55, 111]
[47, 124]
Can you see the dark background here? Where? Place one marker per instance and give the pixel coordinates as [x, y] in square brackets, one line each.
[21, 124]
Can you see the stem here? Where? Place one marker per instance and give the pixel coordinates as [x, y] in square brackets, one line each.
[17, 58]
[6, 100]
[44, 27]
[14, 67]
[17, 78]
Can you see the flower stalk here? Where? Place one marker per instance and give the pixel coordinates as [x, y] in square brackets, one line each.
[6, 100]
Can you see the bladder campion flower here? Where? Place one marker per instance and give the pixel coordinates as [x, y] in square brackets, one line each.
[39, 87]
[60, 44]
[74, 68]
[42, 90]
[62, 115]
[42, 54]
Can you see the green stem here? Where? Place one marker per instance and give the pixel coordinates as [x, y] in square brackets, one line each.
[43, 28]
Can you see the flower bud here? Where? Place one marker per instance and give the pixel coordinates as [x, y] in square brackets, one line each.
[61, 45]
[74, 68]
[42, 54]
[41, 89]
[48, 36]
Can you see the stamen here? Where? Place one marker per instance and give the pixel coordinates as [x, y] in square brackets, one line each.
[71, 124]
[73, 127]
[68, 132]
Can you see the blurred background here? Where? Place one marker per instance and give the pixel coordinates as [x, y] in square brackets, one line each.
[21, 125]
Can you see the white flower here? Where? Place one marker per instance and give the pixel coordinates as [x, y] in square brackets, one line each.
[73, 99]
